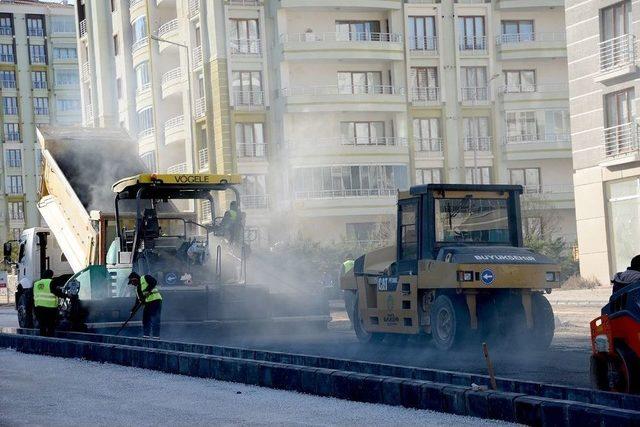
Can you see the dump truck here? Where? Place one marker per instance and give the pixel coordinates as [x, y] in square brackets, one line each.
[200, 268]
[457, 273]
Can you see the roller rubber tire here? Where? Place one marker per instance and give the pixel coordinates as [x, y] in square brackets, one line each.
[544, 324]
[449, 322]
[363, 336]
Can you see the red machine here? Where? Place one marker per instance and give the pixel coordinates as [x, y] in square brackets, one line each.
[615, 343]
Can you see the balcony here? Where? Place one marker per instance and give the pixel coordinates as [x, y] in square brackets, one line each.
[532, 45]
[146, 134]
[556, 196]
[35, 32]
[83, 28]
[172, 83]
[200, 108]
[251, 151]
[12, 136]
[474, 95]
[537, 146]
[430, 148]
[339, 45]
[139, 44]
[425, 96]
[7, 58]
[41, 111]
[248, 47]
[168, 31]
[14, 189]
[617, 57]
[178, 168]
[254, 201]
[10, 111]
[621, 144]
[252, 100]
[203, 160]
[338, 98]
[478, 147]
[534, 92]
[86, 71]
[38, 60]
[133, 5]
[6, 30]
[194, 8]
[8, 84]
[472, 45]
[197, 57]
[423, 46]
[174, 130]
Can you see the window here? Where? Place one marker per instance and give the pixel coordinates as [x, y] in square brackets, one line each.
[145, 121]
[149, 160]
[8, 79]
[6, 24]
[357, 82]
[14, 184]
[13, 158]
[37, 54]
[65, 53]
[6, 53]
[16, 210]
[517, 31]
[619, 113]
[254, 192]
[143, 81]
[349, 181]
[10, 105]
[244, 36]
[68, 105]
[39, 79]
[66, 77]
[12, 132]
[474, 83]
[247, 87]
[358, 31]
[522, 126]
[250, 140]
[475, 221]
[362, 133]
[422, 33]
[426, 134]
[139, 29]
[428, 176]
[556, 124]
[35, 25]
[62, 24]
[476, 134]
[529, 178]
[116, 45]
[471, 32]
[520, 81]
[41, 106]
[408, 230]
[424, 82]
[615, 21]
[479, 175]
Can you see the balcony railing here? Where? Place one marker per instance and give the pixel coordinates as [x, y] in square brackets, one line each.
[8, 84]
[506, 39]
[194, 8]
[481, 143]
[14, 189]
[244, 2]
[144, 133]
[145, 87]
[6, 30]
[41, 111]
[83, 28]
[428, 145]
[12, 136]
[251, 150]
[35, 32]
[542, 190]
[171, 76]
[39, 84]
[254, 201]
[341, 90]
[245, 98]
[617, 52]
[38, 59]
[88, 114]
[344, 193]
[203, 159]
[86, 71]
[197, 56]
[8, 58]
[371, 141]
[620, 140]
[246, 46]
[355, 37]
[475, 94]
[168, 27]
[425, 94]
[531, 88]
[423, 45]
[133, 3]
[537, 138]
[200, 108]
[144, 41]
[177, 168]
[173, 124]
[472, 45]
[10, 111]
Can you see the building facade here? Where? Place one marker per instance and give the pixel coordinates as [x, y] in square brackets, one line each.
[603, 80]
[327, 108]
[39, 84]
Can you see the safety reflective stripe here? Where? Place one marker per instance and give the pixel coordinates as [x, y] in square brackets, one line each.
[233, 215]
[42, 296]
[149, 296]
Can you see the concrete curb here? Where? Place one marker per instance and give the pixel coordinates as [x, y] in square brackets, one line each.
[411, 393]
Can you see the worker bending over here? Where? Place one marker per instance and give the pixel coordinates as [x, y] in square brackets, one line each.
[630, 275]
[149, 296]
[45, 302]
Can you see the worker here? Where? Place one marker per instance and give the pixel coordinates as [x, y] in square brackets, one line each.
[627, 277]
[230, 221]
[347, 265]
[45, 302]
[149, 296]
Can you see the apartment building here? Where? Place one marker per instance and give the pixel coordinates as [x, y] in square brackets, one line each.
[603, 82]
[39, 84]
[327, 108]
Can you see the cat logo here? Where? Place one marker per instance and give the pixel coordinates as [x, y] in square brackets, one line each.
[191, 179]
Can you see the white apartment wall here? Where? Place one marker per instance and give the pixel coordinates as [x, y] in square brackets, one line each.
[320, 21]
[308, 74]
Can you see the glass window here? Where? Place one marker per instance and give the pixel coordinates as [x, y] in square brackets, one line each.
[529, 178]
[426, 134]
[37, 54]
[476, 133]
[250, 140]
[247, 87]
[12, 131]
[66, 105]
[471, 32]
[362, 133]
[6, 24]
[514, 31]
[65, 53]
[6, 53]
[356, 82]
[35, 26]
[408, 230]
[522, 126]
[13, 158]
[619, 107]
[62, 24]
[145, 120]
[424, 82]
[244, 36]
[428, 176]
[39, 79]
[41, 106]
[520, 81]
[474, 83]
[10, 105]
[623, 221]
[14, 184]
[8, 79]
[358, 30]
[615, 20]
[16, 210]
[422, 33]
[142, 76]
[478, 175]
[139, 29]
[66, 77]
[472, 221]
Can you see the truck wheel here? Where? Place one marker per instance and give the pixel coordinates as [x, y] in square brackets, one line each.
[26, 315]
[544, 324]
[628, 370]
[358, 326]
[449, 322]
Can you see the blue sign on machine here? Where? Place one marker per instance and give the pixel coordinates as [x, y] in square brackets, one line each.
[487, 277]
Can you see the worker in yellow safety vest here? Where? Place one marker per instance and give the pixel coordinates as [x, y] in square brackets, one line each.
[149, 296]
[230, 221]
[347, 265]
[45, 302]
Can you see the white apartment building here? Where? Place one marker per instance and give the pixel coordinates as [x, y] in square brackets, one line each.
[603, 76]
[327, 108]
[39, 84]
